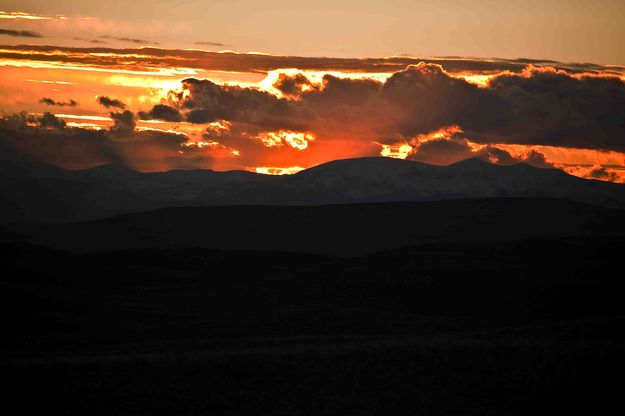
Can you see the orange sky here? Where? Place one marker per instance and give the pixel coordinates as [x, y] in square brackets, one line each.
[303, 113]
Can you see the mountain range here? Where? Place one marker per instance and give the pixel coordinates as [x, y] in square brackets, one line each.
[31, 191]
[431, 281]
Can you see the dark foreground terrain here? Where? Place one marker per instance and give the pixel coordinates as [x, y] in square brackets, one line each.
[463, 322]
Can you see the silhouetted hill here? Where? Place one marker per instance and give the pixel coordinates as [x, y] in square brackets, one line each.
[502, 304]
[31, 191]
[464, 327]
[345, 230]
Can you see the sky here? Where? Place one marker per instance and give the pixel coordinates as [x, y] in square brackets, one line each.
[278, 86]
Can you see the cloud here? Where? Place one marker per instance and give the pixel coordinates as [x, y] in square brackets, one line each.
[537, 159]
[202, 43]
[537, 107]
[443, 152]
[208, 102]
[49, 120]
[50, 101]
[33, 16]
[151, 59]
[94, 41]
[21, 33]
[424, 98]
[110, 102]
[130, 40]
[598, 172]
[51, 141]
[123, 122]
[161, 112]
[446, 151]
[552, 108]
[422, 112]
[292, 85]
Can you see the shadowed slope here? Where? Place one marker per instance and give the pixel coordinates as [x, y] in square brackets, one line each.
[345, 230]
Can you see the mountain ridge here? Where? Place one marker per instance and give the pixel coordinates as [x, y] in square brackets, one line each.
[35, 192]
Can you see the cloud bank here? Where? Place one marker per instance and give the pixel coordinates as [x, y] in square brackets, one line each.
[540, 106]
[151, 59]
[423, 112]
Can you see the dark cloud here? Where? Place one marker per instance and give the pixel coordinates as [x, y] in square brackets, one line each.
[537, 159]
[94, 41]
[77, 148]
[552, 108]
[208, 101]
[448, 151]
[161, 112]
[20, 33]
[50, 101]
[499, 156]
[424, 98]
[538, 107]
[110, 102]
[130, 40]
[202, 43]
[200, 116]
[50, 121]
[292, 85]
[443, 152]
[123, 122]
[600, 172]
[502, 157]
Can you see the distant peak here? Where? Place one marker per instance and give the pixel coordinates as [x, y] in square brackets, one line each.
[369, 161]
[473, 162]
[112, 168]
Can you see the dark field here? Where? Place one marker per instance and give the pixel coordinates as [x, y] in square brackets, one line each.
[459, 326]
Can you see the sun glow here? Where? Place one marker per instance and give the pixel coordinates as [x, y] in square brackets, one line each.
[443, 133]
[400, 151]
[25, 16]
[478, 79]
[315, 77]
[296, 140]
[265, 170]
[201, 143]
[403, 149]
[161, 71]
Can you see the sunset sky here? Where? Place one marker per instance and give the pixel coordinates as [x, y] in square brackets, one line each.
[277, 86]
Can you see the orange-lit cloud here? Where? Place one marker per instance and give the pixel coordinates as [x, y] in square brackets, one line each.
[278, 171]
[440, 113]
[29, 16]
[598, 172]
[155, 60]
[296, 140]
[399, 151]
